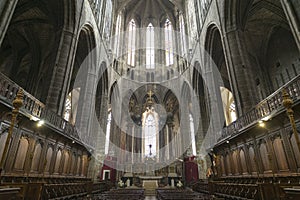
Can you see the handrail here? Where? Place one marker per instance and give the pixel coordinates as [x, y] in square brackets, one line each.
[34, 108]
[266, 108]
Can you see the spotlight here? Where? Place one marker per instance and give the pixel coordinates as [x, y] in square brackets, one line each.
[261, 124]
[227, 142]
[40, 123]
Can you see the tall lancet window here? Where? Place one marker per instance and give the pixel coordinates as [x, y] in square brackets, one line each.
[108, 125]
[118, 36]
[131, 43]
[150, 133]
[192, 20]
[107, 19]
[192, 129]
[169, 43]
[182, 34]
[150, 51]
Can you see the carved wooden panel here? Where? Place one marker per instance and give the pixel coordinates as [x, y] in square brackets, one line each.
[264, 156]
[36, 157]
[295, 149]
[48, 159]
[253, 159]
[57, 162]
[3, 137]
[235, 168]
[21, 154]
[243, 161]
[66, 162]
[280, 154]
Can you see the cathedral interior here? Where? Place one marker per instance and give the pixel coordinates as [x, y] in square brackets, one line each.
[149, 99]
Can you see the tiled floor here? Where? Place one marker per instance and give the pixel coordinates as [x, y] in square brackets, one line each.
[150, 198]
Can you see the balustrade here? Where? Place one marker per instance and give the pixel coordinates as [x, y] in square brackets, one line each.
[34, 108]
[265, 108]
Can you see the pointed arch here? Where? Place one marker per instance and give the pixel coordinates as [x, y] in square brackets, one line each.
[150, 48]
[131, 42]
[169, 43]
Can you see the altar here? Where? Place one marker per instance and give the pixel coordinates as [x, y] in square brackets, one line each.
[150, 183]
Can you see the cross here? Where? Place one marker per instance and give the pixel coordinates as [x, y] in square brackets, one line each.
[150, 93]
[150, 145]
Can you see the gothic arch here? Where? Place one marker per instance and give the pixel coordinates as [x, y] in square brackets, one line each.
[84, 62]
[214, 47]
[273, 66]
[102, 89]
[29, 50]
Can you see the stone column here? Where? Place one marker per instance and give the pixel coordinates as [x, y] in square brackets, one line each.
[62, 72]
[122, 147]
[166, 154]
[170, 141]
[7, 8]
[133, 145]
[86, 108]
[99, 137]
[240, 70]
[214, 102]
[129, 138]
[185, 131]
[292, 11]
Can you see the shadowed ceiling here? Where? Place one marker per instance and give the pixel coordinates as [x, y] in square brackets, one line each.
[150, 10]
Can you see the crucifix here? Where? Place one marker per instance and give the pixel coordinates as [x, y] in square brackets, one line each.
[150, 154]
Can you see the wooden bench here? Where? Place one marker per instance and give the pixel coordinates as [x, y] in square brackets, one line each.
[177, 194]
[116, 194]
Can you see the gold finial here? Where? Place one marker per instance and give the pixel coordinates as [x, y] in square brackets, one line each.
[287, 101]
[17, 104]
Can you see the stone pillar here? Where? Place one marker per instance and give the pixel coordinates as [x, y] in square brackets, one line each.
[133, 145]
[122, 146]
[62, 72]
[171, 140]
[99, 137]
[166, 144]
[240, 70]
[185, 132]
[214, 101]
[7, 8]
[86, 109]
[129, 138]
[292, 11]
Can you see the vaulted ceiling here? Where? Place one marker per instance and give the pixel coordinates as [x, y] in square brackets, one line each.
[150, 10]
